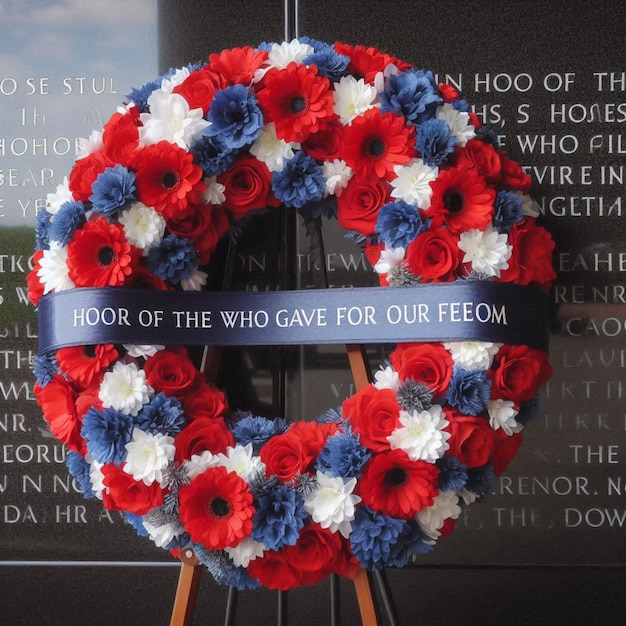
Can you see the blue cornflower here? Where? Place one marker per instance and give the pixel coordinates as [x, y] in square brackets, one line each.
[331, 416]
[42, 237]
[435, 141]
[79, 469]
[528, 410]
[140, 95]
[66, 221]
[107, 432]
[112, 189]
[257, 430]
[412, 541]
[265, 46]
[412, 94]
[235, 117]
[162, 415]
[343, 455]
[399, 223]
[316, 44]
[173, 259]
[460, 105]
[508, 210]
[469, 390]
[136, 521]
[45, 367]
[300, 181]
[211, 156]
[279, 517]
[452, 474]
[329, 64]
[479, 479]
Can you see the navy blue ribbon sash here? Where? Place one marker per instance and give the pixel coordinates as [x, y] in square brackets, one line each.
[459, 311]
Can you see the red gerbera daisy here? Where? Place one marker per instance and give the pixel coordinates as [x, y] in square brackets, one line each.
[296, 99]
[237, 65]
[216, 508]
[375, 142]
[99, 255]
[168, 179]
[367, 62]
[83, 363]
[461, 200]
[396, 486]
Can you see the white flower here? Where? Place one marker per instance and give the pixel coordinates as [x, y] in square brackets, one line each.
[381, 77]
[472, 355]
[432, 518]
[331, 504]
[61, 195]
[143, 226]
[389, 258]
[139, 351]
[469, 497]
[412, 183]
[502, 415]
[272, 150]
[178, 77]
[422, 435]
[85, 147]
[387, 378]
[282, 54]
[200, 463]
[245, 551]
[195, 282]
[96, 476]
[125, 389]
[162, 534]
[170, 119]
[242, 460]
[148, 455]
[337, 175]
[458, 121]
[352, 98]
[53, 272]
[487, 250]
[214, 193]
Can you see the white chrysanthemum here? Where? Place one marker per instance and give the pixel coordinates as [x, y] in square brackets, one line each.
[469, 497]
[195, 282]
[353, 97]
[331, 503]
[412, 183]
[142, 351]
[178, 77]
[487, 250]
[148, 455]
[271, 150]
[473, 355]
[171, 119]
[95, 476]
[422, 435]
[245, 551]
[163, 534]
[53, 272]
[458, 122]
[242, 460]
[389, 258]
[502, 415]
[143, 226]
[529, 206]
[337, 174]
[200, 463]
[61, 195]
[381, 77]
[214, 193]
[125, 389]
[93, 143]
[387, 378]
[432, 518]
[282, 54]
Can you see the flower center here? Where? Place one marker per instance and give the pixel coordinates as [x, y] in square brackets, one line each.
[106, 255]
[169, 180]
[220, 507]
[376, 147]
[90, 351]
[297, 105]
[397, 476]
[453, 202]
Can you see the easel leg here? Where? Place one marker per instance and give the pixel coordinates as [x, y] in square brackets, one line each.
[365, 599]
[187, 590]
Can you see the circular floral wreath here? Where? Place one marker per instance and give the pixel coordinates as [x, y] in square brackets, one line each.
[400, 160]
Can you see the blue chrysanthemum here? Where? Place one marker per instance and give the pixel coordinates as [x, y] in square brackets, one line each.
[162, 415]
[399, 223]
[107, 432]
[411, 542]
[435, 142]
[112, 190]
[257, 430]
[67, 219]
[452, 474]
[79, 469]
[174, 259]
[301, 181]
[136, 521]
[329, 64]
[139, 95]
[412, 94]
[508, 210]
[45, 367]
[42, 237]
[279, 517]
[343, 455]
[529, 410]
[461, 105]
[211, 156]
[235, 117]
[469, 390]
[316, 44]
[479, 479]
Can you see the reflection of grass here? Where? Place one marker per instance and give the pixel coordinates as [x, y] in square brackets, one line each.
[17, 242]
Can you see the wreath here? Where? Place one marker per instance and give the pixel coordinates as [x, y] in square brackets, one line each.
[344, 132]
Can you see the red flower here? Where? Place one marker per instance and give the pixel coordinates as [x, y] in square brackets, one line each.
[202, 434]
[448, 92]
[85, 364]
[513, 176]
[205, 401]
[504, 450]
[376, 142]
[85, 172]
[143, 278]
[99, 255]
[172, 372]
[359, 203]
[199, 89]
[326, 144]
[394, 485]
[34, 285]
[124, 493]
[121, 136]
[435, 256]
[237, 65]
[216, 508]
[168, 179]
[367, 62]
[429, 363]
[471, 438]
[296, 99]
[274, 571]
[482, 156]
[461, 200]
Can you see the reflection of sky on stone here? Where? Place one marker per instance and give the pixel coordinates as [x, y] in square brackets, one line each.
[112, 44]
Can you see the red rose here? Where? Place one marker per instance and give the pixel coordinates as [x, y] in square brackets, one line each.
[483, 157]
[205, 401]
[513, 176]
[202, 434]
[274, 571]
[429, 363]
[34, 285]
[85, 172]
[172, 372]
[435, 256]
[285, 456]
[518, 372]
[199, 89]
[124, 493]
[121, 136]
[143, 278]
[327, 142]
[504, 450]
[471, 438]
[359, 203]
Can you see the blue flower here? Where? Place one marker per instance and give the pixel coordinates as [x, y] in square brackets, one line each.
[112, 189]
[329, 64]
[479, 479]
[257, 430]
[140, 95]
[343, 455]
[211, 156]
[136, 521]
[162, 415]
[331, 416]
[107, 432]
[469, 390]
[173, 259]
[79, 469]
[300, 181]
[66, 221]
[487, 134]
[414, 396]
[45, 367]
[235, 117]
[399, 223]
[461, 105]
[435, 141]
[508, 210]
[412, 541]
[279, 517]
[452, 474]
[528, 410]
[412, 94]
[42, 238]
[224, 570]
